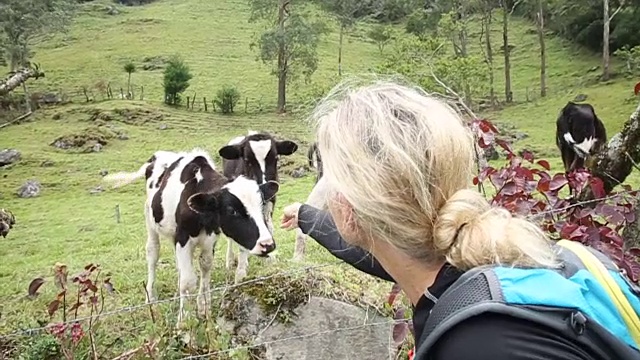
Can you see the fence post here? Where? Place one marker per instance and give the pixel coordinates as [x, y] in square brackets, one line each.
[213, 103]
[141, 92]
[118, 213]
[121, 93]
[204, 100]
[246, 104]
[188, 100]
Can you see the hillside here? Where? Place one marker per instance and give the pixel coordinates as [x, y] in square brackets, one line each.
[73, 222]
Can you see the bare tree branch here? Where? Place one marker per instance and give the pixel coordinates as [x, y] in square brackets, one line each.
[18, 78]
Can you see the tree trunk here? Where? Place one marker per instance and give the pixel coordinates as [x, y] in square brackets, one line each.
[605, 41]
[340, 50]
[614, 162]
[282, 67]
[18, 78]
[27, 98]
[543, 50]
[463, 48]
[507, 56]
[129, 85]
[489, 55]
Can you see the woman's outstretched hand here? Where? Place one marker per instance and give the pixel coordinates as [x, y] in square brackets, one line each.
[290, 216]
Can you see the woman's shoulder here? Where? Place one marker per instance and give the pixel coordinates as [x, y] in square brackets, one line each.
[494, 336]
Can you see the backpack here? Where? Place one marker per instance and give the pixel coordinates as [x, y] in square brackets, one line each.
[603, 318]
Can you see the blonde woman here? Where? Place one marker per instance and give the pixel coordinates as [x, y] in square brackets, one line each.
[484, 285]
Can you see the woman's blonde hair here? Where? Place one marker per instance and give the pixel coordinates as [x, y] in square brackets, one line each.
[404, 160]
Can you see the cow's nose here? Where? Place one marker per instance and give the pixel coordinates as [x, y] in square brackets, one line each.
[267, 246]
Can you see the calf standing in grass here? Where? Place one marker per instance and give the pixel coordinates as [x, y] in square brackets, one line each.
[191, 203]
[255, 156]
[579, 134]
[317, 198]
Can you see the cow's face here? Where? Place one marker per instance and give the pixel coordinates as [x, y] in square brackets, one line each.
[259, 153]
[239, 208]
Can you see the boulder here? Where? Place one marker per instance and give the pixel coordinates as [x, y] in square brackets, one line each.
[321, 328]
[9, 156]
[30, 189]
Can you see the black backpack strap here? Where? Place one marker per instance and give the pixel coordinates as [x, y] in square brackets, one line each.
[478, 291]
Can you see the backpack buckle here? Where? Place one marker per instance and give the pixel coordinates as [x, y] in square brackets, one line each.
[578, 322]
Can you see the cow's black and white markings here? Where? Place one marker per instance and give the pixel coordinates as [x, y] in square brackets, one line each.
[317, 198]
[255, 156]
[579, 134]
[190, 202]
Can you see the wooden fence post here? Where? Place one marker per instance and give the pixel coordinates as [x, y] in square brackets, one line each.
[204, 100]
[188, 100]
[246, 104]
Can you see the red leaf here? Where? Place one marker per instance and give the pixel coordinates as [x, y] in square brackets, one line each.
[636, 89]
[34, 285]
[527, 155]
[53, 307]
[558, 182]
[544, 164]
[400, 332]
[75, 306]
[509, 189]
[597, 187]
[505, 145]
[395, 290]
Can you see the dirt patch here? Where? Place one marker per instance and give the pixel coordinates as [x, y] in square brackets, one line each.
[151, 63]
[131, 116]
[92, 139]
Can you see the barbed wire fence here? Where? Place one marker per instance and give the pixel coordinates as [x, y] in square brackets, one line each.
[228, 287]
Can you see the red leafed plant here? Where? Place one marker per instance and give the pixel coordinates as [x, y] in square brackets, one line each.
[527, 187]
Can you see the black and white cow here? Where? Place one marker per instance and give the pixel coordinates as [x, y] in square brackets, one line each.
[317, 198]
[255, 156]
[579, 134]
[192, 203]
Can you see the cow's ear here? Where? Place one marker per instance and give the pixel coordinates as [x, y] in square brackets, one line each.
[286, 147]
[230, 152]
[269, 189]
[203, 203]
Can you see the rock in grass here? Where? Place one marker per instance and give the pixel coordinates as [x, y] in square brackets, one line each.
[30, 189]
[9, 156]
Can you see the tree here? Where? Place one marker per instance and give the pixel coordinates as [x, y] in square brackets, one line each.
[289, 43]
[129, 68]
[23, 21]
[508, 6]
[176, 80]
[346, 13]
[487, 7]
[543, 55]
[606, 57]
[380, 34]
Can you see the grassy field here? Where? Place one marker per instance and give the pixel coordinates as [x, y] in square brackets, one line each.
[72, 224]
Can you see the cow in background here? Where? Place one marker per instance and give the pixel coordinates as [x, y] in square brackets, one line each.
[579, 134]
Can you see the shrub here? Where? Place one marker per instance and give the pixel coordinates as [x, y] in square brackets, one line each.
[176, 80]
[227, 98]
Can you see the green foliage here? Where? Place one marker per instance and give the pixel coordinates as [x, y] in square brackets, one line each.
[41, 348]
[227, 98]
[176, 80]
[581, 21]
[23, 21]
[129, 68]
[299, 37]
[415, 58]
[420, 22]
[381, 35]
[631, 57]
[347, 12]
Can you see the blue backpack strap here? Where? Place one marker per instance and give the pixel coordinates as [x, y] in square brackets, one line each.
[479, 291]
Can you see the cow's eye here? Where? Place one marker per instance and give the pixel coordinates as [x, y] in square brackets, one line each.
[232, 212]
